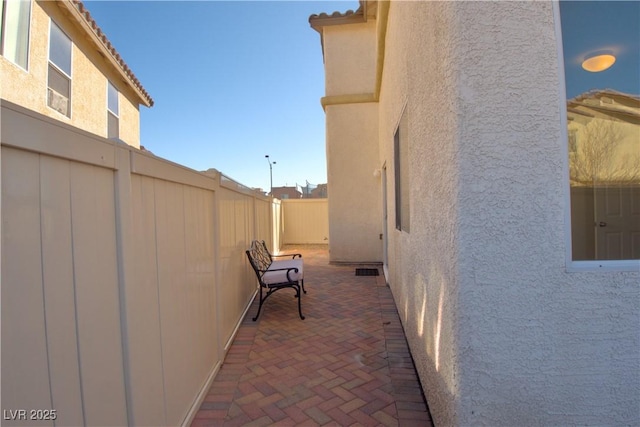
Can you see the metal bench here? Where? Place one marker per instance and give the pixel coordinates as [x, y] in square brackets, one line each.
[295, 260]
[275, 275]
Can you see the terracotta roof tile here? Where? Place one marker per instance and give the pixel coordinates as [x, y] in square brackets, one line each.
[334, 14]
[317, 21]
[84, 12]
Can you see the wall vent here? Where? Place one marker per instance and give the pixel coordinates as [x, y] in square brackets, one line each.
[367, 272]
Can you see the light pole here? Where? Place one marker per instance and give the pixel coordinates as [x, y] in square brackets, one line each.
[270, 173]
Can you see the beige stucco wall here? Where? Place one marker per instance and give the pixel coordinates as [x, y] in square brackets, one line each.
[88, 80]
[350, 58]
[28, 87]
[500, 331]
[423, 273]
[355, 206]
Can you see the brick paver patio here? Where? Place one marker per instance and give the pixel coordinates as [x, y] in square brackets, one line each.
[346, 364]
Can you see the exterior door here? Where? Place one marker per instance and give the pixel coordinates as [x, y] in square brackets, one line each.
[385, 250]
[617, 222]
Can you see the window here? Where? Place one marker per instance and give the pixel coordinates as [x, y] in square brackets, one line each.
[601, 51]
[59, 82]
[401, 163]
[14, 30]
[113, 115]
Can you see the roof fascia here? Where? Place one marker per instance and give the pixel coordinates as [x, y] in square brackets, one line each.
[319, 21]
[78, 13]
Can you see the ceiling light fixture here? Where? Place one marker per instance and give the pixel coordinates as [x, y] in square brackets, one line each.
[599, 62]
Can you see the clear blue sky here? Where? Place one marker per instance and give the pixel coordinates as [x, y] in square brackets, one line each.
[231, 81]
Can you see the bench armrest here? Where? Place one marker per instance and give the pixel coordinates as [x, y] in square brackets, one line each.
[293, 256]
[269, 279]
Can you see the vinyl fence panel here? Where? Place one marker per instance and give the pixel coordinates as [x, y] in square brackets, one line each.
[25, 379]
[123, 275]
[306, 221]
[143, 310]
[60, 294]
[237, 285]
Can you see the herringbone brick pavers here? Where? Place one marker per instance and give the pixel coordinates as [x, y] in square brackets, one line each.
[346, 364]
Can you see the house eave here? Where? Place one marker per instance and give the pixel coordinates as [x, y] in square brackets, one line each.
[369, 9]
[319, 21]
[77, 12]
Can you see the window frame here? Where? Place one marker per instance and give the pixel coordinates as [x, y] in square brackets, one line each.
[50, 63]
[402, 176]
[570, 264]
[3, 25]
[110, 112]
[396, 178]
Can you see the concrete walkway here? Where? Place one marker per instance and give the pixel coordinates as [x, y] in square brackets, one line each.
[346, 364]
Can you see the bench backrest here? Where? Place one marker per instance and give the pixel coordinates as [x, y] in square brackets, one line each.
[259, 257]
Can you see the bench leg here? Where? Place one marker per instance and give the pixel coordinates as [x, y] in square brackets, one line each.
[300, 301]
[298, 295]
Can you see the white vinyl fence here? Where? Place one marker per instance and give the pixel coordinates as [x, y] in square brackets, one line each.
[305, 221]
[124, 276]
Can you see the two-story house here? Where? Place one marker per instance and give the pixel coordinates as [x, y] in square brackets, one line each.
[55, 60]
[487, 153]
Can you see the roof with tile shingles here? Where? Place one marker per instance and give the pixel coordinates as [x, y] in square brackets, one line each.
[317, 21]
[89, 25]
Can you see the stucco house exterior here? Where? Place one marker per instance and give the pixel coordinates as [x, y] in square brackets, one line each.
[453, 130]
[55, 60]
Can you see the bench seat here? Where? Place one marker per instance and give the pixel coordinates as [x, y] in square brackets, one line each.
[293, 260]
[278, 270]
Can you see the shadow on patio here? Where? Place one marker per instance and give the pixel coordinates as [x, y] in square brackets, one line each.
[347, 363]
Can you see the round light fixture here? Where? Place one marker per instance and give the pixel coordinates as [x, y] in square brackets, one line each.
[598, 63]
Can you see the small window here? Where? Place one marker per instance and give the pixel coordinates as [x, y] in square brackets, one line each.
[601, 51]
[113, 114]
[401, 163]
[59, 80]
[14, 30]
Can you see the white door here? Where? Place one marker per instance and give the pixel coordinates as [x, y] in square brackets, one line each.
[385, 252]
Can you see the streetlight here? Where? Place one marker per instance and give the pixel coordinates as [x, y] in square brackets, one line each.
[270, 172]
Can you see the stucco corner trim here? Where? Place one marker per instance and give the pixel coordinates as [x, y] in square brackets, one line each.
[358, 98]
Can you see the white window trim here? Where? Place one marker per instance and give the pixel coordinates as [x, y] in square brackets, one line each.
[49, 62]
[118, 94]
[28, 41]
[396, 129]
[571, 265]
[109, 111]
